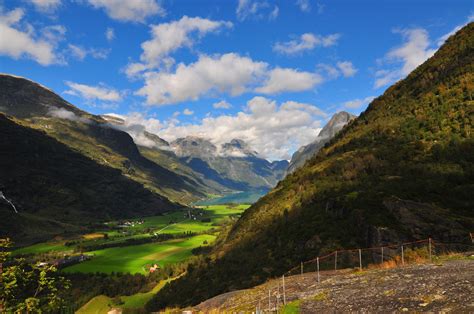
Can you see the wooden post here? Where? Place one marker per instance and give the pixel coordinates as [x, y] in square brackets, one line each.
[284, 292]
[317, 264]
[335, 262]
[360, 259]
[382, 254]
[269, 301]
[429, 249]
[403, 257]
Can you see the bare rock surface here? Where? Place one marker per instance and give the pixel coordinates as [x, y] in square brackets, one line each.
[447, 286]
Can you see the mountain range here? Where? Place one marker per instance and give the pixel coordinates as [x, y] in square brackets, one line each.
[61, 165]
[403, 170]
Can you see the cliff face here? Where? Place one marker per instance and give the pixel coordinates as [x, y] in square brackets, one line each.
[337, 122]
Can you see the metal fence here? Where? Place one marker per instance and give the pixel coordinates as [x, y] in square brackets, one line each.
[387, 256]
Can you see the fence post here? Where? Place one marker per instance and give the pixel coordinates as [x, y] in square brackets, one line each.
[382, 254]
[317, 264]
[301, 268]
[284, 292]
[360, 259]
[269, 301]
[403, 257]
[335, 262]
[429, 249]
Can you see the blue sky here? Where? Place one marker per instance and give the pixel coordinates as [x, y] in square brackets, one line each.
[269, 72]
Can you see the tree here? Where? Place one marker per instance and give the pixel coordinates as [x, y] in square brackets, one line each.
[29, 288]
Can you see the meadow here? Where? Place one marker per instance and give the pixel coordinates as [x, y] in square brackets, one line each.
[190, 232]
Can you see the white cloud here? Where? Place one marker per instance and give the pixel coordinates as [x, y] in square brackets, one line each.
[188, 112]
[347, 68]
[80, 53]
[169, 37]
[304, 5]
[256, 10]
[110, 34]
[273, 130]
[19, 41]
[289, 80]
[229, 73]
[93, 92]
[130, 10]
[443, 38]
[358, 103]
[222, 105]
[307, 41]
[66, 114]
[413, 52]
[46, 5]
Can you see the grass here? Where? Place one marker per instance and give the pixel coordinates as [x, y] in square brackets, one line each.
[134, 259]
[292, 307]
[97, 305]
[42, 248]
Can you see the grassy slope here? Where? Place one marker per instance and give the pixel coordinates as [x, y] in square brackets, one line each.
[133, 259]
[413, 143]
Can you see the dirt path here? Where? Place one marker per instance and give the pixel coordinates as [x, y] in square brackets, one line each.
[446, 287]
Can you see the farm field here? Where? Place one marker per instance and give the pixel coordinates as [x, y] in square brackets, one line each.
[134, 258]
[128, 257]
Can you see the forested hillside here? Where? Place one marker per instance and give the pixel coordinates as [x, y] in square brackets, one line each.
[403, 170]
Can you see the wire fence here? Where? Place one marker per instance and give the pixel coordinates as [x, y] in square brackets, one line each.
[387, 256]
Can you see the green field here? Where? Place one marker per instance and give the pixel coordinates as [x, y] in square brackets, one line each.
[42, 248]
[133, 259]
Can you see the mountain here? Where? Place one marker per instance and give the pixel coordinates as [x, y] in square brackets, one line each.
[216, 169]
[233, 165]
[58, 190]
[337, 122]
[403, 170]
[92, 136]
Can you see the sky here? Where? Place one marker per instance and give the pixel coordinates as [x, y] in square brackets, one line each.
[269, 72]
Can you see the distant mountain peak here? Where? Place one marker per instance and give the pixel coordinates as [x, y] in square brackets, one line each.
[335, 124]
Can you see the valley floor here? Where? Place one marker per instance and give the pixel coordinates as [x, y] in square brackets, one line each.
[446, 286]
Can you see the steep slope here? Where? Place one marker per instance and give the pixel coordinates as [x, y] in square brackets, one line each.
[403, 170]
[40, 108]
[337, 122]
[56, 189]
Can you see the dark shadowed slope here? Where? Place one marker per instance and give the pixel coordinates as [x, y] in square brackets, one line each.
[403, 170]
[56, 189]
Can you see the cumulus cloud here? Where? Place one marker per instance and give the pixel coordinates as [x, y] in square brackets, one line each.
[273, 130]
[110, 34]
[188, 112]
[88, 92]
[347, 68]
[413, 52]
[289, 80]
[80, 53]
[130, 10]
[169, 37]
[19, 40]
[256, 9]
[307, 41]
[46, 5]
[222, 105]
[227, 73]
[358, 102]
[66, 114]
